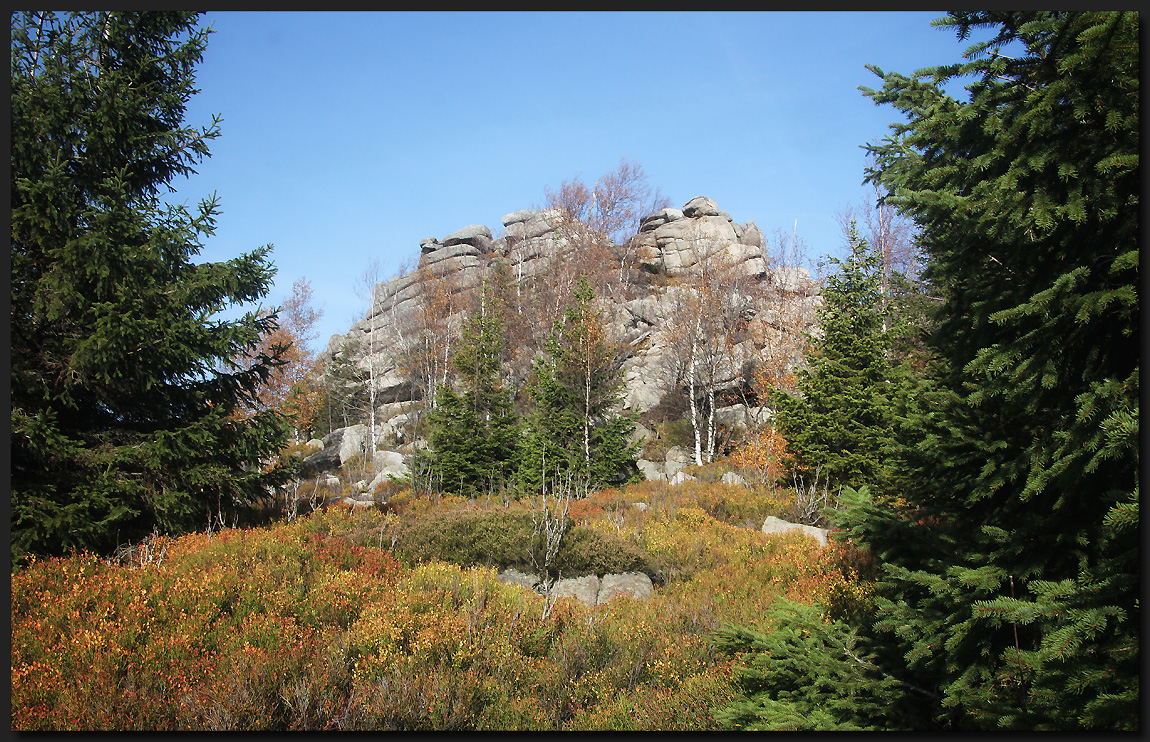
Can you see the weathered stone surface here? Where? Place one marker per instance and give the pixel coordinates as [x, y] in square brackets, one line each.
[640, 434]
[585, 589]
[516, 217]
[733, 478]
[447, 253]
[590, 590]
[677, 459]
[753, 236]
[528, 224]
[652, 471]
[393, 430]
[778, 525]
[700, 206]
[631, 584]
[682, 476]
[388, 464]
[353, 443]
[670, 242]
[515, 577]
[468, 234]
[659, 218]
[328, 457]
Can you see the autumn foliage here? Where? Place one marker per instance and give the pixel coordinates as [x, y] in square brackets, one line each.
[321, 624]
[293, 389]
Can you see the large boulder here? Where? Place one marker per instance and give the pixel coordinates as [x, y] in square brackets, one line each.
[527, 224]
[734, 479]
[388, 464]
[652, 471]
[585, 589]
[778, 525]
[515, 577]
[328, 457]
[701, 206]
[353, 443]
[631, 584]
[450, 252]
[659, 218]
[678, 458]
[472, 234]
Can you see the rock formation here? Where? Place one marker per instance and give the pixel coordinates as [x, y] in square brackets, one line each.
[669, 245]
[778, 525]
[589, 589]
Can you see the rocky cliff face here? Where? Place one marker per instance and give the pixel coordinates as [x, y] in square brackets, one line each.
[409, 312]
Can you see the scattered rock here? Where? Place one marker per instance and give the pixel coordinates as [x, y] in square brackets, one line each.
[590, 590]
[632, 584]
[677, 459]
[682, 476]
[585, 589]
[778, 525]
[733, 478]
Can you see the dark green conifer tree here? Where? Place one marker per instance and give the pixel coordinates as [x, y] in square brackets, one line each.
[1011, 580]
[123, 383]
[575, 430]
[805, 673]
[836, 422]
[474, 435]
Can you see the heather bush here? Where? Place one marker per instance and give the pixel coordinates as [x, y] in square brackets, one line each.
[317, 624]
[466, 535]
[501, 537]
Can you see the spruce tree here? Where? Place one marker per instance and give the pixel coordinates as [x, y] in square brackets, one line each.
[474, 436]
[807, 673]
[835, 424]
[124, 383]
[575, 430]
[1011, 579]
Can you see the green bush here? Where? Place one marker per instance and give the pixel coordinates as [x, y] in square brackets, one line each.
[501, 538]
[586, 551]
[495, 538]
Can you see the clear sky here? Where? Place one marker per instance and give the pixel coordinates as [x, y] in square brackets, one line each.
[348, 136]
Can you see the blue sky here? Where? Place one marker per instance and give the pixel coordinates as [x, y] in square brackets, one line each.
[352, 136]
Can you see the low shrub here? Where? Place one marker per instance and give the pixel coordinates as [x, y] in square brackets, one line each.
[312, 624]
[588, 551]
[501, 538]
[466, 536]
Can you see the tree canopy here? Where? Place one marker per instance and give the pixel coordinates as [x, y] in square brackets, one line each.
[834, 426]
[1012, 581]
[124, 380]
[1009, 593]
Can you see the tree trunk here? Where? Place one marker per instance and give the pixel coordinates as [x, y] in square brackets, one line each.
[694, 404]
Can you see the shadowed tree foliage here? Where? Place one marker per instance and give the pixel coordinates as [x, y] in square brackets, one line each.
[1009, 594]
[574, 429]
[124, 387]
[836, 424]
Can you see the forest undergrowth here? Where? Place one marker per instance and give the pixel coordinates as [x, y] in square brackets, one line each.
[378, 620]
